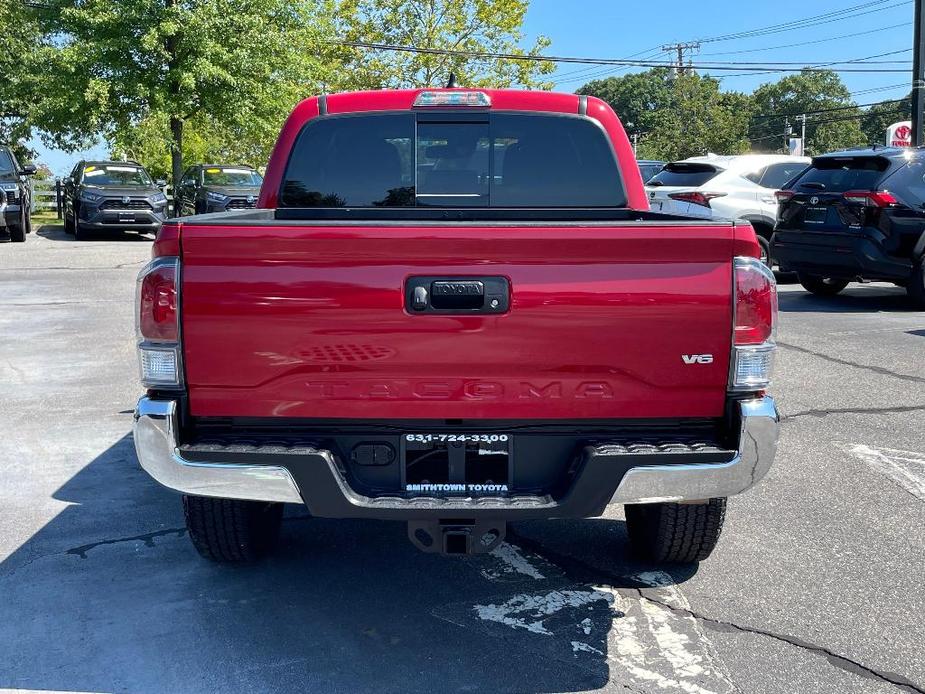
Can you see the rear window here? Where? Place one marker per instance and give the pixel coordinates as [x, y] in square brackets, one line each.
[485, 160]
[838, 174]
[684, 174]
[776, 175]
[649, 170]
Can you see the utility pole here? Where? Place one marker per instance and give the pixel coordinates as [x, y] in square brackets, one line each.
[681, 49]
[918, 74]
[788, 131]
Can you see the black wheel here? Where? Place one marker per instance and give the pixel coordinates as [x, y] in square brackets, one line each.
[822, 286]
[916, 286]
[18, 231]
[79, 233]
[681, 533]
[231, 530]
[765, 246]
[68, 225]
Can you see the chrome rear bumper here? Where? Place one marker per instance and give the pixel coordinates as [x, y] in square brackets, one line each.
[155, 433]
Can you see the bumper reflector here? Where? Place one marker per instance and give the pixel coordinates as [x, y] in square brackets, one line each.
[159, 366]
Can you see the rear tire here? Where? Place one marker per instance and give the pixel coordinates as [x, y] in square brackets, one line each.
[822, 286]
[916, 287]
[18, 232]
[232, 530]
[677, 533]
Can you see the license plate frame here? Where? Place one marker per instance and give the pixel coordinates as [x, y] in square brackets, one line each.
[476, 463]
[127, 217]
[821, 213]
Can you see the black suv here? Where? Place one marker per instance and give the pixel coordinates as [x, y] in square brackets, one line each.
[855, 215]
[15, 197]
[112, 196]
[217, 188]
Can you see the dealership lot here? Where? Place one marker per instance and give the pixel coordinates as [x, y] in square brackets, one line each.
[816, 585]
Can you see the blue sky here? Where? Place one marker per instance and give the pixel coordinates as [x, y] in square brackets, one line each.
[614, 29]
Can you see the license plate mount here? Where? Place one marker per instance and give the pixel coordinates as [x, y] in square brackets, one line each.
[128, 217]
[456, 464]
[815, 215]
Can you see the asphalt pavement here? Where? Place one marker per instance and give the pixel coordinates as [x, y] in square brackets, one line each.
[817, 585]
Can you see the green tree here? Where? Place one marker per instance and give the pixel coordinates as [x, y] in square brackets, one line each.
[123, 66]
[22, 50]
[676, 115]
[806, 92]
[492, 26]
[881, 116]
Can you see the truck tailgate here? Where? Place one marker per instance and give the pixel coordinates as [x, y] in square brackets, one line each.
[606, 320]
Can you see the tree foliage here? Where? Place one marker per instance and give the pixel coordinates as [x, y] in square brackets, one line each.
[126, 67]
[806, 92]
[472, 26]
[22, 50]
[881, 116]
[676, 116]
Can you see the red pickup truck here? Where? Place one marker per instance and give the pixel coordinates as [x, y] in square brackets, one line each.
[453, 308]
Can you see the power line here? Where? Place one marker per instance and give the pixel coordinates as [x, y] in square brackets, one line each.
[601, 61]
[825, 110]
[815, 41]
[816, 20]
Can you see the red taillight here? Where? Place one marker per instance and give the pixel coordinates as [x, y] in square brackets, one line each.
[870, 198]
[755, 302]
[696, 197]
[783, 195]
[158, 318]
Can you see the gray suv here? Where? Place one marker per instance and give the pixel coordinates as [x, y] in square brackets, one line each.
[15, 197]
[112, 196]
[217, 188]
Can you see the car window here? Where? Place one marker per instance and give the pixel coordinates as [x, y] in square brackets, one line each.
[687, 174]
[115, 175]
[496, 160]
[838, 174]
[231, 176]
[908, 183]
[7, 163]
[189, 178]
[755, 176]
[776, 175]
[649, 170]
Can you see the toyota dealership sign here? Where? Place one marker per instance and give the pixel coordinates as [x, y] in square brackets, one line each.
[899, 134]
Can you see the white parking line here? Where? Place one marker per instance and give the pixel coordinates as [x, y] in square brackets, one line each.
[906, 468]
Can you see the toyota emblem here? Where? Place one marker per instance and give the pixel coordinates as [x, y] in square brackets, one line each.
[814, 200]
[126, 199]
[250, 198]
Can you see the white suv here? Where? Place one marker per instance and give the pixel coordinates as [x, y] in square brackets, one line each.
[726, 187]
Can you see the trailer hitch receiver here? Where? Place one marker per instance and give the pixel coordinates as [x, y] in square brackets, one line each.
[456, 535]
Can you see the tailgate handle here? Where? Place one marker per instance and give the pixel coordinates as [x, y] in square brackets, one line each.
[457, 294]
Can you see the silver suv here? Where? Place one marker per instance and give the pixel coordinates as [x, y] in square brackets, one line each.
[726, 187]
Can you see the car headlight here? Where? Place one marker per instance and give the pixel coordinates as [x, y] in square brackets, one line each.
[87, 196]
[217, 197]
[158, 199]
[10, 192]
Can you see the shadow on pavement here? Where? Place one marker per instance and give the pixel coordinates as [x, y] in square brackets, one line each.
[55, 232]
[88, 604]
[853, 299]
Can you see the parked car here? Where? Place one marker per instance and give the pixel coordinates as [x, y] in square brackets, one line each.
[15, 197]
[649, 167]
[112, 196]
[454, 309]
[721, 187]
[217, 188]
[856, 215]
